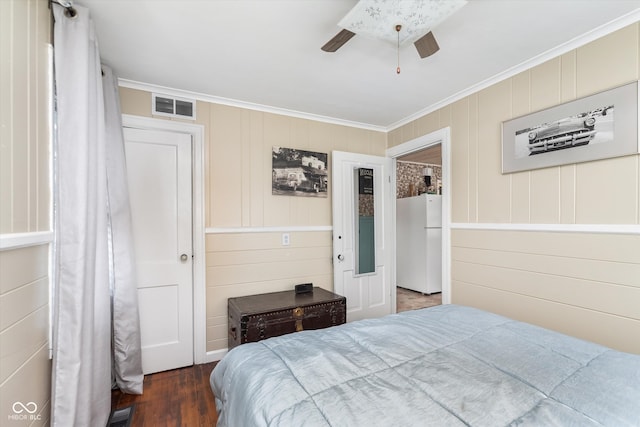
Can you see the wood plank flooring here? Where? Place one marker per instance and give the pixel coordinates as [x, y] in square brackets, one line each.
[181, 397]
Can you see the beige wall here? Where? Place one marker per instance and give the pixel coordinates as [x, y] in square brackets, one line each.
[24, 152]
[584, 284]
[238, 146]
[25, 369]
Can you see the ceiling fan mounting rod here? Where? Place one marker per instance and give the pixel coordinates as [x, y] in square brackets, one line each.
[398, 28]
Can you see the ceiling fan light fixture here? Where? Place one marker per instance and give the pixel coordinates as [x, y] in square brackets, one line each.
[377, 19]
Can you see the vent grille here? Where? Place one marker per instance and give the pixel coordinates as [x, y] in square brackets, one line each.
[164, 105]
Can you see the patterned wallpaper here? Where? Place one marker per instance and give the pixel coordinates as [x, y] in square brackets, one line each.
[411, 173]
[407, 173]
[365, 205]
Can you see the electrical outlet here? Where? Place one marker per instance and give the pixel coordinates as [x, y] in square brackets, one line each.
[285, 239]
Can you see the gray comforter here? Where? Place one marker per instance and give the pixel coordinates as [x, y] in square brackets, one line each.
[441, 366]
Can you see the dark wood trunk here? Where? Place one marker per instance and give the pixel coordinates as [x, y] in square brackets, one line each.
[257, 317]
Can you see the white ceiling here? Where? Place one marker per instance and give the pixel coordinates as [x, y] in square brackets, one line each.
[266, 53]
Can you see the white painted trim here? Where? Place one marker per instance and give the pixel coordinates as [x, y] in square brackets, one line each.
[21, 240]
[149, 123]
[199, 260]
[443, 137]
[279, 229]
[131, 84]
[393, 179]
[554, 228]
[446, 215]
[638, 118]
[215, 355]
[424, 141]
[568, 46]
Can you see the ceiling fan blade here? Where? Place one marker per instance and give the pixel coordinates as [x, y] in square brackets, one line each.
[337, 41]
[426, 45]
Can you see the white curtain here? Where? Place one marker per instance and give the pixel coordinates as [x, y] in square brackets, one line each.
[127, 358]
[82, 328]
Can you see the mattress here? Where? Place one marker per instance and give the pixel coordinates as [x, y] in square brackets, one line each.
[448, 365]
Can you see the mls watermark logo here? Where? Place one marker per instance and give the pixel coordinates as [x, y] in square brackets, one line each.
[24, 412]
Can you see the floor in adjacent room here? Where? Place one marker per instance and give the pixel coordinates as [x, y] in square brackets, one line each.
[407, 299]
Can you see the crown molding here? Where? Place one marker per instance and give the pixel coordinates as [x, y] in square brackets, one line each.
[131, 84]
[596, 33]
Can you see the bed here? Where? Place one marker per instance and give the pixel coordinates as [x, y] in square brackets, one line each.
[448, 365]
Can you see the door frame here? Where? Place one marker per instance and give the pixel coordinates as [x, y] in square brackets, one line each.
[197, 234]
[443, 137]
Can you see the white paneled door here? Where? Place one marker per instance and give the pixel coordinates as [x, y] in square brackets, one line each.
[159, 173]
[361, 240]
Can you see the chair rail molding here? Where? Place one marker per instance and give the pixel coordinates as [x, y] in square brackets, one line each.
[20, 240]
[558, 228]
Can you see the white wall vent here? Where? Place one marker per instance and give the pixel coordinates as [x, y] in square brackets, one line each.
[170, 106]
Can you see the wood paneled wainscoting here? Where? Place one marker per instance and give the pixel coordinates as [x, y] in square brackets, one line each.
[180, 397]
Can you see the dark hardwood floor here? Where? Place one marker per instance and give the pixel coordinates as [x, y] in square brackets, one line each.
[181, 397]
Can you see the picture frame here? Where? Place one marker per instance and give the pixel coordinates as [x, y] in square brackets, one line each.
[299, 172]
[598, 126]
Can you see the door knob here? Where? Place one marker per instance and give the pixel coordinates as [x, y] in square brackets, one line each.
[184, 257]
[340, 257]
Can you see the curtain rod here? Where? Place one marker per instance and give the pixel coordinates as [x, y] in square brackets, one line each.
[70, 11]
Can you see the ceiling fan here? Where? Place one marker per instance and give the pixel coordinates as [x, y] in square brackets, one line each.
[383, 19]
[425, 45]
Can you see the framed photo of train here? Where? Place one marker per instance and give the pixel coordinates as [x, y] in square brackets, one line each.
[595, 127]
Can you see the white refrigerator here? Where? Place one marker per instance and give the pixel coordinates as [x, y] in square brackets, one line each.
[419, 243]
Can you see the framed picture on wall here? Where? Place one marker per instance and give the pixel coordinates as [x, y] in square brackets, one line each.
[595, 127]
[299, 173]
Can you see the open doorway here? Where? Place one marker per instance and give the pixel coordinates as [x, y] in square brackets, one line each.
[418, 229]
[422, 175]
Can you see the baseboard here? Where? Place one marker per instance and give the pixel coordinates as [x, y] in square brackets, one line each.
[215, 355]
